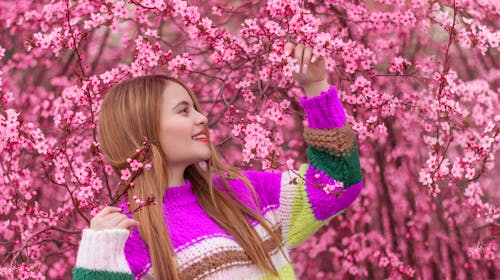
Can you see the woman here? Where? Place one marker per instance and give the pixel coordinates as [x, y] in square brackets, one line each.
[214, 222]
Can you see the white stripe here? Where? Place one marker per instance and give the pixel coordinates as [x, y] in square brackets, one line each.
[287, 195]
[191, 252]
[213, 245]
[103, 250]
[197, 239]
[245, 270]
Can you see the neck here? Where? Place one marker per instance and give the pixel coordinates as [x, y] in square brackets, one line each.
[176, 176]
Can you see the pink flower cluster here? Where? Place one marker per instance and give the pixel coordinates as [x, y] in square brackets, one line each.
[418, 81]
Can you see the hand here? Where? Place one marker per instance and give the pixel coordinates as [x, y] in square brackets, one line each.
[111, 218]
[311, 70]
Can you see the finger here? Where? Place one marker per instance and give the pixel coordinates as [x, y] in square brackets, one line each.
[115, 220]
[306, 59]
[113, 215]
[289, 48]
[299, 53]
[108, 221]
[107, 210]
[314, 58]
[127, 223]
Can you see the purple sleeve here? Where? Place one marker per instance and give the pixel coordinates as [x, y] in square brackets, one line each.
[324, 111]
[307, 198]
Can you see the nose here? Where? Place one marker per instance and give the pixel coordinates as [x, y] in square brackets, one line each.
[201, 119]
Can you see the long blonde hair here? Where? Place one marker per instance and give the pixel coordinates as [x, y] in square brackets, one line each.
[131, 111]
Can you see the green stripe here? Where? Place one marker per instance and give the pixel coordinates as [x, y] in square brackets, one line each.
[303, 224]
[91, 274]
[284, 273]
[341, 168]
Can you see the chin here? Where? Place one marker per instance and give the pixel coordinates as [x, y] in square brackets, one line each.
[206, 158]
[203, 158]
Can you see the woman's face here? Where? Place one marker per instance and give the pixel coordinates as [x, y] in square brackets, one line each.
[179, 123]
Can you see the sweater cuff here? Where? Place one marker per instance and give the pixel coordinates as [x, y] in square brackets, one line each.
[324, 111]
[103, 250]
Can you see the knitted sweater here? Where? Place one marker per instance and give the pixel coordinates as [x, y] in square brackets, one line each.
[297, 204]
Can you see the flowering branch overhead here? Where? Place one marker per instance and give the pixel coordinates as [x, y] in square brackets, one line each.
[418, 79]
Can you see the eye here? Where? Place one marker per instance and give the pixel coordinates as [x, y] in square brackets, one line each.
[185, 110]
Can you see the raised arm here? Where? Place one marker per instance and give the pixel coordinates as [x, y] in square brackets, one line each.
[332, 180]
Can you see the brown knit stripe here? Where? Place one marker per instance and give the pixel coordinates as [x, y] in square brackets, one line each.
[223, 260]
[336, 139]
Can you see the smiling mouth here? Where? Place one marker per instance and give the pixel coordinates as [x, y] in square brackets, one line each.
[201, 137]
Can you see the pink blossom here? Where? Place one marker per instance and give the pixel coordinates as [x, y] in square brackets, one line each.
[125, 174]
[425, 116]
[474, 253]
[399, 65]
[135, 165]
[425, 178]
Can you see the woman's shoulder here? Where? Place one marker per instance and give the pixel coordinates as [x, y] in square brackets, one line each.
[257, 178]
[266, 185]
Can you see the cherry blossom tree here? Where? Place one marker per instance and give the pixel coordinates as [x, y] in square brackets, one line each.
[419, 81]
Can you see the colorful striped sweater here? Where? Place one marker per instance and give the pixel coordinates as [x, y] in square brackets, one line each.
[296, 203]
